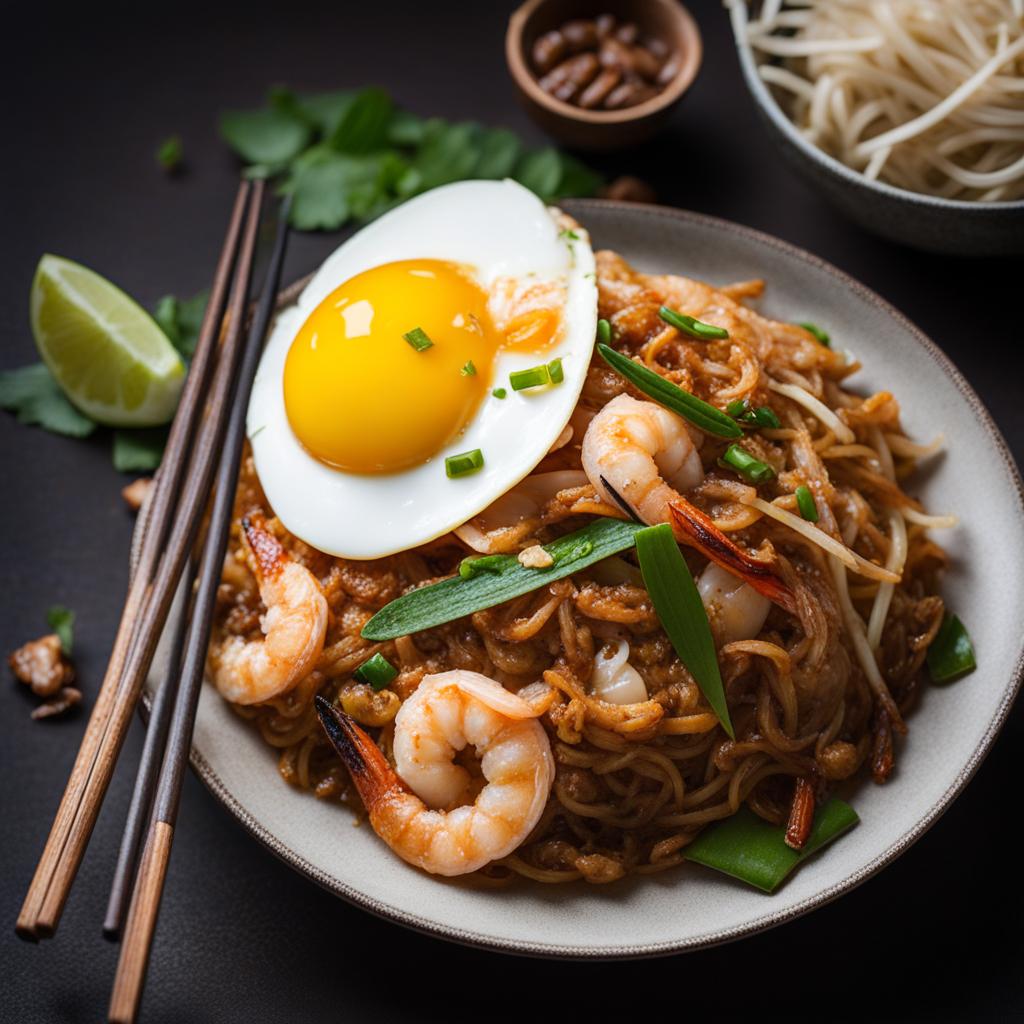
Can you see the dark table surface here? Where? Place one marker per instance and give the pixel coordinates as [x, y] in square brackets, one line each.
[241, 937]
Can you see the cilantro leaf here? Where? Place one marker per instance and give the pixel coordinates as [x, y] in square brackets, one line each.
[449, 153]
[62, 621]
[181, 320]
[499, 152]
[139, 450]
[406, 129]
[363, 126]
[577, 179]
[265, 136]
[169, 155]
[326, 110]
[32, 394]
[541, 172]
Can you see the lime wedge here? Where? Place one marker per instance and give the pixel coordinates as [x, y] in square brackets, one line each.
[105, 350]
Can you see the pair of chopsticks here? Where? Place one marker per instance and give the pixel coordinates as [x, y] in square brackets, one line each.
[203, 454]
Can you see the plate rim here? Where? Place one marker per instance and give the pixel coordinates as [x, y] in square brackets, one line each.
[544, 950]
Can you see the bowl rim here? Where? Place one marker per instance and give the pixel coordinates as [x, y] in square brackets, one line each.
[525, 79]
[284, 852]
[765, 99]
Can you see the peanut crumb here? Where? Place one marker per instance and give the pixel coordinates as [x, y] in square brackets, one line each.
[535, 557]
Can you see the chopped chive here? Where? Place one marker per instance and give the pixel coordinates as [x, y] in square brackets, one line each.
[555, 371]
[751, 469]
[469, 370]
[469, 567]
[417, 337]
[762, 416]
[737, 407]
[698, 412]
[377, 672]
[689, 325]
[604, 332]
[951, 654]
[534, 377]
[805, 502]
[569, 234]
[464, 463]
[499, 392]
[822, 337]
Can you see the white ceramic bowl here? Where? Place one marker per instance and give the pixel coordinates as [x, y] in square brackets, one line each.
[691, 907]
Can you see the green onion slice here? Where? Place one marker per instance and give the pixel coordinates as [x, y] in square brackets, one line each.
[699, 413]
[555, 371]
[499, 392]
[737, 407]
[763, 416]
[464, 463]
[534, 377]
[377, 671]
[951, 654]
[417, 337]
[681, 611]
[504, 579]
[748, 848]
[806, 504]
[753, 470]
[604, 332]
[469, 370]
[469, 567]
[822, 337]
[689, 325]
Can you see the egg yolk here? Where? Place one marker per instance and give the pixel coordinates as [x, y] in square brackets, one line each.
[360, 397]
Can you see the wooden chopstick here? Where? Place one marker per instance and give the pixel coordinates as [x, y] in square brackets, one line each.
[155, 579]
[141, 922]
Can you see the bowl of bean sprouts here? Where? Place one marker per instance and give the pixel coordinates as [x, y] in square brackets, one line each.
[908, 115]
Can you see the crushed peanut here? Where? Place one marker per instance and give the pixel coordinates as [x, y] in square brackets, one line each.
[535, 557]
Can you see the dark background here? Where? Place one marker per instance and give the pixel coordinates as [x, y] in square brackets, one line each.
[89, 96]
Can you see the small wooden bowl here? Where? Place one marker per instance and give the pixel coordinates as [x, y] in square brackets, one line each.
[602, 129]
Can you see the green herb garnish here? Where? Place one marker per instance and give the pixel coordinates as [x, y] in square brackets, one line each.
[62, 621]
[689, 325]
[699, 413]
[499, 392]
[604, 332]
[377, 671]
[469, 370]
[139, 450]
[555, 371]
[762, 416]
[169, 154]
[534, 377]
[737, 407]
[503, 580]
[951, 654]
[752, 470]
[418, 339]
[464, 463]
[681, 611]
[750, 849]
[822, 337]
[32, 394]
[469, 567]
[806, 504]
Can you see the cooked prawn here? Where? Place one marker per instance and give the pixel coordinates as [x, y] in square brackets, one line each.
[642, 454]
[423, 810]
[294, 626]
[735, 609]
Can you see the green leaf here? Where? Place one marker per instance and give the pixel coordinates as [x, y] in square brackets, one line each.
[169, 154]
[682, 614]
[750, 849]
[449, 153]
[139, 450]
[664, 392]
[265, 136]
[499, 152]
[326, 110]
[62, 621]
[504, 579]
[363, 127]
[31, 393]
[406, 129]
[181, 320]
[577, 179]
[951, 654]
[541, 172]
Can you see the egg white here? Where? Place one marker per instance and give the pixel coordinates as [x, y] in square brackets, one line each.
[500, 229]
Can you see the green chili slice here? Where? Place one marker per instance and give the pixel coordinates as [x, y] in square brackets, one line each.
[377, 671]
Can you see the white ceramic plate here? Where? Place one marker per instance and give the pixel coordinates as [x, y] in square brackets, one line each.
[950, 731]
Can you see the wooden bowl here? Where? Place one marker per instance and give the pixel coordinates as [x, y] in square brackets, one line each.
[602, 129]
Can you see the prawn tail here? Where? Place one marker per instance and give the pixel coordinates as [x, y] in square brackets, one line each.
[266, 551]
[371, 773]
[711, 542]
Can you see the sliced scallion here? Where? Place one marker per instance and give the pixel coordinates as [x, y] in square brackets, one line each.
[555, 371]
[499, 392]
[751, 469]
[806, 504]
[469, 567]
[469, 370]
[951, 654]
[464, 463]
[762, 416]
[823, 337]
[689, 325]
[698, 412]
[377, 672]
[737, 407]
[503, 580]
[604, 332]
[534, 377]
[750, 849]
[681, 611]
[418, 338]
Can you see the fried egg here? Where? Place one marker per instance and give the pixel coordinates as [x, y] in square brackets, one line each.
[396, 356]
